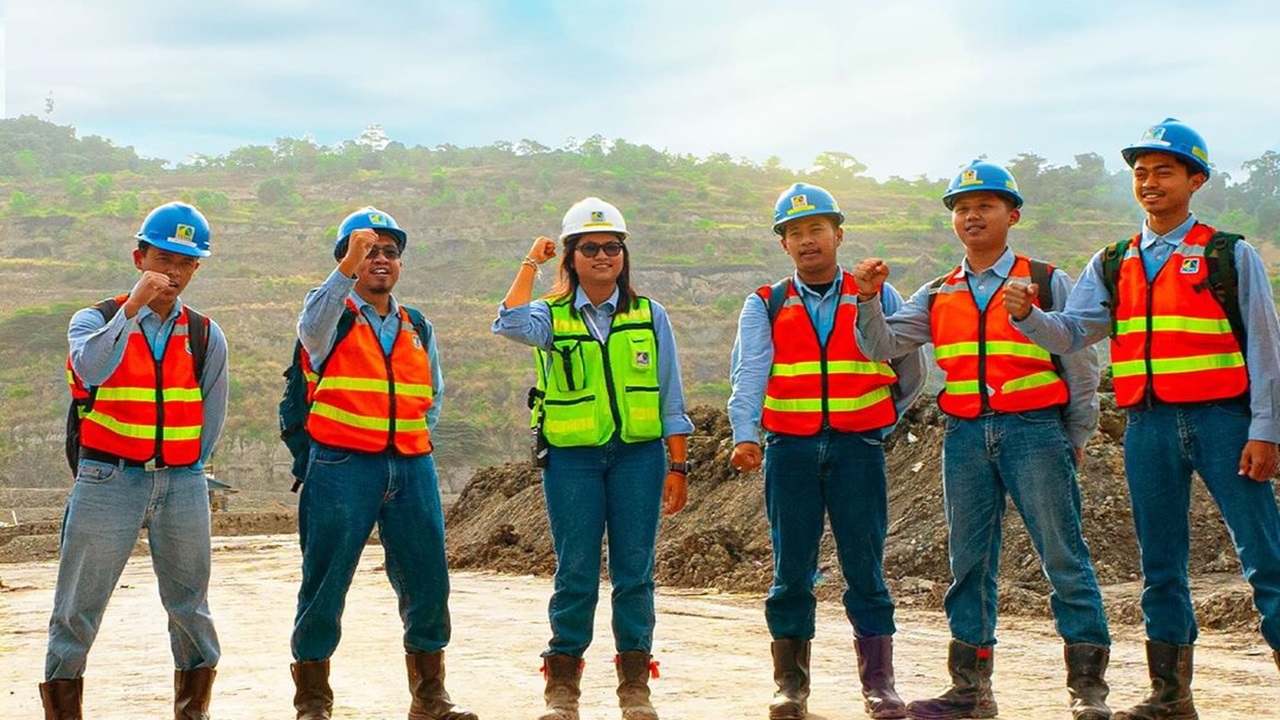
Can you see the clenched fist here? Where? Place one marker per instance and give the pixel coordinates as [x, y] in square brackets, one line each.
[150, 286]
[544, 248]
[870, 275]
[1018, 297]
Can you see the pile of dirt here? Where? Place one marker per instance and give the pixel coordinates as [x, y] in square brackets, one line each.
[721, 539]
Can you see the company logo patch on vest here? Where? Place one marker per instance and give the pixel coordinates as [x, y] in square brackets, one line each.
[642, 359]
[1190, 266]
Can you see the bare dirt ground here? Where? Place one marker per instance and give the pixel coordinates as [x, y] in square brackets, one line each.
[713, 649]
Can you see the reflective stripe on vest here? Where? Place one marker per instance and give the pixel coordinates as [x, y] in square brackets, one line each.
[592, 388]
[987, 361]
[146, 409]
[811, 386]
[1172, 335]
[362, 389]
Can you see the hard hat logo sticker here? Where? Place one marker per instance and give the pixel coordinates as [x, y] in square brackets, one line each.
[377, 219]
[597, 216]
[185, 234]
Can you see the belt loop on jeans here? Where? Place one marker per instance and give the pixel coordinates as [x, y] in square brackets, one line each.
[96, 455]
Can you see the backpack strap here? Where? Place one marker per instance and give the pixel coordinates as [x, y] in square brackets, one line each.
[1222, 279]
[934, 286]
[777, 296]
[1112, 257]
[420, 324]
[198, 335]
[1042, 276]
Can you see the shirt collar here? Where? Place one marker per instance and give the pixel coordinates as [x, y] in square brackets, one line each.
[1002, 267]
[835, 285]
[146, 312]
[1173, 237]
[580, 301]
[361, 304]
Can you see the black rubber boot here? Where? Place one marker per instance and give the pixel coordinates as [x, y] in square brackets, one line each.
[970, 693]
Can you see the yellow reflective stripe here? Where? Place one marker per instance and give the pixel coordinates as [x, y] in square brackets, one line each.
[1017, 349]
[642, 414]
[311, 377]
[186, 432]
[355, 383]
[797, 405]
[346, 418]
[1040, 379]
[960, 349]
[411, 424]
[1194, 363]
[554, 425]
[567, 326]
[1174, 323]
[962, 387]
[858, 403]
[127, 394]
[181, 395]
[120, 428]
[859, 367]
[413, 390]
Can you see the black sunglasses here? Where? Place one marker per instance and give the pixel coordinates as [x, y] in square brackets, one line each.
[390, 252]
[592, 249]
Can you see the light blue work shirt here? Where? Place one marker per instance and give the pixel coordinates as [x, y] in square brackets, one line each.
[1086, 319]
[911, 327]
[318, 324]
[752, 358]
[97, 348]
[531, 324]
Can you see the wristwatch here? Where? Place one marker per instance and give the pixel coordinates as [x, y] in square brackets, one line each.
[680, 467]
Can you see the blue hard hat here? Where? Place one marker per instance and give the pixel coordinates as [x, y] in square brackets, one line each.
[801, 200]
[1175, 138]
[981, 175]
[176, 227]
[371, 218]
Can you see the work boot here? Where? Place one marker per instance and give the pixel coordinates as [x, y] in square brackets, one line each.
[970, 693]
[791, 673]
[61, 699]
[191, 689]
[1086, 683]
[312, 697]
[563, 674]
[1170, 669]
[426, 685]
[634, 668]
[875, 670]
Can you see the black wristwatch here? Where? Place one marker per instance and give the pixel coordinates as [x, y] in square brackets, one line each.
[679, 467]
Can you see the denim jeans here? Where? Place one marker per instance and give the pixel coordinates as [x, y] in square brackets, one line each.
[107, 509]
[1030, 457]
[614, 488]
[1162, 445]
[345, 494]
[840, 475]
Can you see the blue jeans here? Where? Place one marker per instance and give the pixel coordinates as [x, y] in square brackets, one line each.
[346, 493]
[107, 509]
[1029, 456]
[1162, 445]
[614, 488]
[841, 475]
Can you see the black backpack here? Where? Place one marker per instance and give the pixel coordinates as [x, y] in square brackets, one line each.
[294, 405]
[1220, 278]
[197, 334]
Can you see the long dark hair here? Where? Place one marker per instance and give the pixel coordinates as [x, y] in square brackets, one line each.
[567, 281]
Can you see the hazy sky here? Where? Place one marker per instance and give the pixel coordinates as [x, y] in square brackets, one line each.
[908, 87]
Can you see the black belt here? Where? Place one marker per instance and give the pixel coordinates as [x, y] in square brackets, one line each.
[88, 453]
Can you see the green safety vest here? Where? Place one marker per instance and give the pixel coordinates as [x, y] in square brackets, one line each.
[590, 390]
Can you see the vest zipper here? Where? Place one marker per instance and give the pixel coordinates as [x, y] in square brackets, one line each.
[1149, 391]
[984, 401]
[391, 394]
[158, 454]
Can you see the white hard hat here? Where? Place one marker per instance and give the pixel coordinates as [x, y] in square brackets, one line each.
[592, 215]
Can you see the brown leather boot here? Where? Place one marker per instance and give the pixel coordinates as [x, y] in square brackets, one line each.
[563, 674]
[312, 698]
[1086, 683]
[970, 693]
[634, 668]
[1170, 669]
[61, 699]
[791, 673]
[426, 685]
[191, 691]
[875, 670]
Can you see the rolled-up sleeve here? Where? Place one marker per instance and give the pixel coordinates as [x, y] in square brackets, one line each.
[749, 367]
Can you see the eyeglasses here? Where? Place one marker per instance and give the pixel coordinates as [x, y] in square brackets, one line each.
[390, 252]
[592, 249]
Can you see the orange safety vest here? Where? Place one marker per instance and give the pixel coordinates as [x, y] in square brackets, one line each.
[811, 385]
[1172, 335]
[988, 363]
[146, 409]
[362, 389]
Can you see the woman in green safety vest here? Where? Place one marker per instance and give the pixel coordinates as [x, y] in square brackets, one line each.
[608, 394]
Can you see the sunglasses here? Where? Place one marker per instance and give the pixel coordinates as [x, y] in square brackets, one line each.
[390, 252]
[592, 249]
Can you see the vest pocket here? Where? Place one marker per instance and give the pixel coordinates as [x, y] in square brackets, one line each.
[571, 420]
[641, 411]
[568, 370]
[643, 356]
